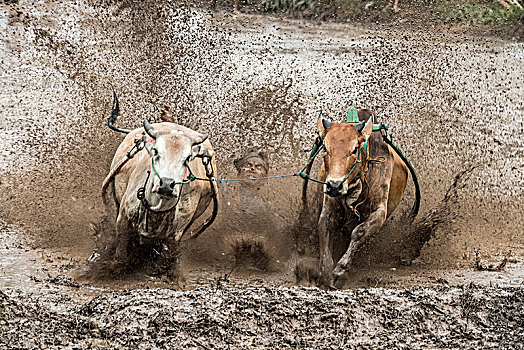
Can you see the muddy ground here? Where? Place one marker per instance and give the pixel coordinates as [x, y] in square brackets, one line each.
[453, 102]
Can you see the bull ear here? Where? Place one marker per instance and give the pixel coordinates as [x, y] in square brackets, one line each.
[202, 151]
[323, 125]
[197, 149]
[368, 128]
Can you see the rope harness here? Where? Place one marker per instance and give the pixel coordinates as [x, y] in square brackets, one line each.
[142, 139]
[352, 118]
[303, 173]
[319, 145]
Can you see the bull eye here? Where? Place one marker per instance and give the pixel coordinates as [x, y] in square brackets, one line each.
[155, 152]
[355, 150]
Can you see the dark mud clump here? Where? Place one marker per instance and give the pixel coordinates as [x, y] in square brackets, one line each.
[251, 252]
[438, 317]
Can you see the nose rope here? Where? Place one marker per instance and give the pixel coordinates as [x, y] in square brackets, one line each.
[141, 196]
[188, 176]
[306, 176]
[153, 167]
[354, 165]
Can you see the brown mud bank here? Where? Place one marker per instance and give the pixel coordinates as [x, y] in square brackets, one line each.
[480, 18]
[270, 317]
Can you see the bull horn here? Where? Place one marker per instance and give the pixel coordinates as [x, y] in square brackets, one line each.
[199, 138]
[326, 124]
[368, 128]
[360, 126]
[150, 130]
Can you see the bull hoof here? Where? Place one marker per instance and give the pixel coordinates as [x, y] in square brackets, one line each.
[327, 283]
[117, 267]
[338, 279]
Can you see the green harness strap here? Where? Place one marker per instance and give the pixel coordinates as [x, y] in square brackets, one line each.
[352, 118]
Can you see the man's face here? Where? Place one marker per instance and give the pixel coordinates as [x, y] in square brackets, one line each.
[252, 167]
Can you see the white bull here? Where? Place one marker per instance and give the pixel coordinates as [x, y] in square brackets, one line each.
[156, 199]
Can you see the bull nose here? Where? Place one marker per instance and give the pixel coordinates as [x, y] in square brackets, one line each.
[334, 188]
[167, 186]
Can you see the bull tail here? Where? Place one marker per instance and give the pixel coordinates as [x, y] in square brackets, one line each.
[402, 155]
[115, 112]
[109, 180]
[416, 205]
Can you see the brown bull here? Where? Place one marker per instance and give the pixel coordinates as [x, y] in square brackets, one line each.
[363, 184]
[151, 181]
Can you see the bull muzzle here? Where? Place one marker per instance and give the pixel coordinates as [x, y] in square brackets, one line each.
[167, 186]
[334, 188]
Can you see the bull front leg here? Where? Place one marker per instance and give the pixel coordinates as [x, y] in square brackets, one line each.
[168, 261]
[122, 236]
[359, 235]
[326, 226]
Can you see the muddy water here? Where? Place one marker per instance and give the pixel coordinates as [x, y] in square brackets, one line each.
[19, 263]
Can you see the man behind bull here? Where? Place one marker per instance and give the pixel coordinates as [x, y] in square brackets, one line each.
[251, 235]
[253, 164]
[249, 231]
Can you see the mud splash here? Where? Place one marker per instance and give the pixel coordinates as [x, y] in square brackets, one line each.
[250, 82]
[19, 263]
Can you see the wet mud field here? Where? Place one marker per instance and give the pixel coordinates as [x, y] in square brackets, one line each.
[452, 101]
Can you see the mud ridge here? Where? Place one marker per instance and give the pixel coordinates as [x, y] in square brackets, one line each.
[465, 317]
